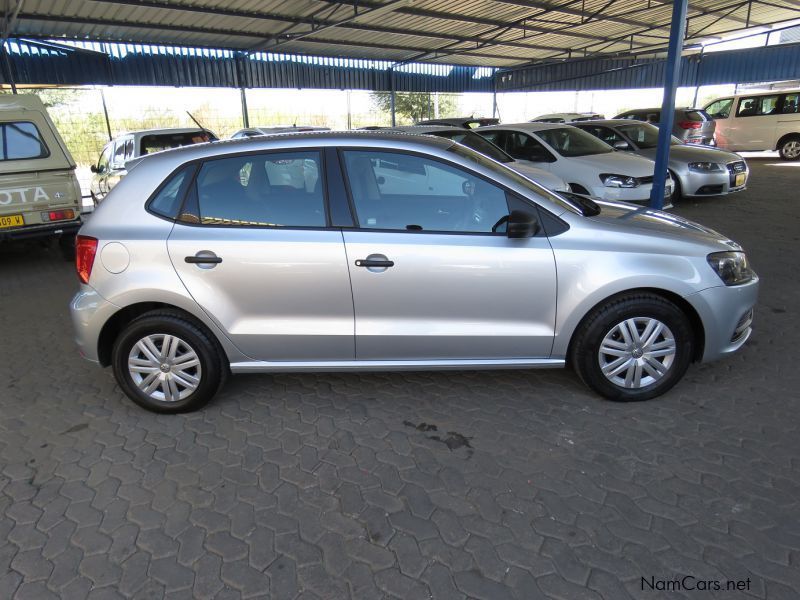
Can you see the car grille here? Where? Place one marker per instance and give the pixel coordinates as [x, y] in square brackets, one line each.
[643, 180]
[737, 167]
[742, 326]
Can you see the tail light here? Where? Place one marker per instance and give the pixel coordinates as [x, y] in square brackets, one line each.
[85, 251]
[690, 124]
[58, 215]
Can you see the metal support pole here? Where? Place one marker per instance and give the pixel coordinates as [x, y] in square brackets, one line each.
[494, 96]
[105, 114]
[391, 87]
[697, 77]
[245, 115]
[672, 71]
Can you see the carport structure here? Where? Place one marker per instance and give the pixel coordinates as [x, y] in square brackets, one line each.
[492, 33]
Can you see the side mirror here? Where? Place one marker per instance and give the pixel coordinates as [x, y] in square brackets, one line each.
[622, 145]
[94, 169]
[521, 224]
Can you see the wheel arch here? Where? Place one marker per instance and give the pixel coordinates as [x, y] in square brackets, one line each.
[117, 322]
[785, 138]
[698, 343]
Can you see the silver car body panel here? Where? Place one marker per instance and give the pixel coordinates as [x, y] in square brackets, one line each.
[489, 301]
[680, 155]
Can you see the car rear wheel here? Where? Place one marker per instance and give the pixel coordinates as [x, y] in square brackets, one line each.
[790, 148]
[634, 347]
[167, 364]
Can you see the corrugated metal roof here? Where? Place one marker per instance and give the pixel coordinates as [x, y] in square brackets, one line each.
[503, 33]
[751, 65]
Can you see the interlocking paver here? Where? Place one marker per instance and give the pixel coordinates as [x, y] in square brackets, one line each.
[332, 486]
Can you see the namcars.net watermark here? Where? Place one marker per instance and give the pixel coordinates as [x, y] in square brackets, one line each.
[689, 583]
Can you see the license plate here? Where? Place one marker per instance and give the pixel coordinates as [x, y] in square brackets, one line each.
[11, 221]
[740, 179]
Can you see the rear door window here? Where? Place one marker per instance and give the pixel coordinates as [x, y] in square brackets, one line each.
[164, 141]
[282, 189]
[21, 140]
[526, 147]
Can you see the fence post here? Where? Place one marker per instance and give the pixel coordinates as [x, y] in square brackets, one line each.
[245, 115]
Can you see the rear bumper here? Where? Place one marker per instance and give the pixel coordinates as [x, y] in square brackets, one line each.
[726, 313]
[41, 231]
[89, 312]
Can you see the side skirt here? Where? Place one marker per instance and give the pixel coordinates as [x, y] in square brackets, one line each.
[394, 365]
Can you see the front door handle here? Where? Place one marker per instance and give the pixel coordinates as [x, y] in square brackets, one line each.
[374, 263]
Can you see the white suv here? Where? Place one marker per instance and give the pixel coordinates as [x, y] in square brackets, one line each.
[759, 121]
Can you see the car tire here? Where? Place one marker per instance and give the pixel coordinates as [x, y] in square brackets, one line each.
[789, 148]
[191, 370]
[677, 194]
[658, 346]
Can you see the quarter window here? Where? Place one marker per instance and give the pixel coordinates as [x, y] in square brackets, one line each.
[105, 158]
[791, 104]
[267, 190]
[412, 193]
[167, 202]
[20, 140]
[758, 106]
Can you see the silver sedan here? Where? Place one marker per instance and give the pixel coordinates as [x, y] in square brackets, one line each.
[383, 251]
[697, 170]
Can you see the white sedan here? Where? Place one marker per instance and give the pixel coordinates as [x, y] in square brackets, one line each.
[469, 138]
[587, 164]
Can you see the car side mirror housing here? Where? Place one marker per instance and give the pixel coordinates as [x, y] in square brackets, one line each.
[521, 225]
[622, 145]
[94, 169]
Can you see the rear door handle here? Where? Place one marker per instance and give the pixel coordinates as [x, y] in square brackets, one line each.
[205, 259]
[372, 262]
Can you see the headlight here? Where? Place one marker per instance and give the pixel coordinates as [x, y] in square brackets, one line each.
[704, 167]
[621, 181]
[732, 267]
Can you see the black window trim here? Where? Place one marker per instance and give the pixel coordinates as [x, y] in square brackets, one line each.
[536, 208]
[4, 124]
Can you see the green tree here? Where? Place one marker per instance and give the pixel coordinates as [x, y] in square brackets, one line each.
[415, 106]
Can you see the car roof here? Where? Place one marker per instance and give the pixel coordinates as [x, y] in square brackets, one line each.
[526, 126]
[566, 114]
[163, 131]
[608, 122]
[741, 93]
[423, 129]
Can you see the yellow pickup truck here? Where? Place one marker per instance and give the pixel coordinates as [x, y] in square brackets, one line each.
[40, 196]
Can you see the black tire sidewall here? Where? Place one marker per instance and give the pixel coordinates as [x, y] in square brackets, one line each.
[595, 328]
[210, 363]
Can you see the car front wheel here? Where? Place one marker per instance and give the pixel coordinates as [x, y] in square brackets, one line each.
[165, 363]
[634, 347]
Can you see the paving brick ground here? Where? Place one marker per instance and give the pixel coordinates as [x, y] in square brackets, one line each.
[448, 485]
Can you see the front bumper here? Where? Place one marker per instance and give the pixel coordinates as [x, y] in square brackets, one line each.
[715, 183]
[30, 232]
[639, 194]
[89, 312]
[726, 313]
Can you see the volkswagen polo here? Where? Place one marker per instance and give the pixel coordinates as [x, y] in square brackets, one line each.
[301, 253]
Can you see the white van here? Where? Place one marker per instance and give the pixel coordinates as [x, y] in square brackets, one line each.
[759, 121]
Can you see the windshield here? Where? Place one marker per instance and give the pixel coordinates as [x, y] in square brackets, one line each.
[477, 143]
[644, 135]
[571, 141]
[520, 180]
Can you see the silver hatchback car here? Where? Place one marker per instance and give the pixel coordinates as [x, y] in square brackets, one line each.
[387, 251]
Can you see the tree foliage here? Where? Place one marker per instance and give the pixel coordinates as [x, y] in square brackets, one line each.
[415, 106]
